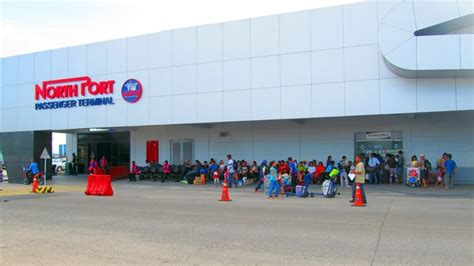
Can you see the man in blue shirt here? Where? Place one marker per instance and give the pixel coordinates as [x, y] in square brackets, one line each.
[293, 174]
[373, 164]
[450, 166]
[31, 171]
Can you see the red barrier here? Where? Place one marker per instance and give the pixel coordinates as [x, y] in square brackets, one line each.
[119, 172]
[100, 185]
[99, 171]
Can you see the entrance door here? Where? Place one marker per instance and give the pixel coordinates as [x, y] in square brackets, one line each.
[378, 142]
[152, 151]
[182, 150]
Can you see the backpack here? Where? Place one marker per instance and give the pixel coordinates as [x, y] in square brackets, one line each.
[427, 165]
[329, 189]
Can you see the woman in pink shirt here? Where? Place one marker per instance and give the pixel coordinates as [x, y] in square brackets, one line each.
[104, 164]
[134, 172]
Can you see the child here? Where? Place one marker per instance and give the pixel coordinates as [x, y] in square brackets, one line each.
[215, 175]
[226, 176]
[440, 179]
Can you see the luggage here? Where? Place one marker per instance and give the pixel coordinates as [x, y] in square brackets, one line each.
[329, 189]
[302, 191]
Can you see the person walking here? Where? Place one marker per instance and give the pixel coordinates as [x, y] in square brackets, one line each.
[360, 178]
[273, 181]
[262, 172]
[450, 166]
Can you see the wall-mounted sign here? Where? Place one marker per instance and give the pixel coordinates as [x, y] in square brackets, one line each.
[378, 135]
[91, 93]
[82, 92]
[132, 90]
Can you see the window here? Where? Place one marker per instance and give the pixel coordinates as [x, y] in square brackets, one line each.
[182, 150]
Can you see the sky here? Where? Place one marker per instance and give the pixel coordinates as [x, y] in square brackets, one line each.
[37, 25]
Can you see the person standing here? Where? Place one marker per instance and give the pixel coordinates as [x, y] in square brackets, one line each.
[230, 170]
[343, 166]
[74, 164]
[293, 174]
[360, 179]
[392, 168]
[401, 165]
[1, 175]
[441, 169]
[450, 166]
[372, 168]
[425, 168]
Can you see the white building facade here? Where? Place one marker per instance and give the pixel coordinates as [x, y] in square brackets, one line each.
[306, 84]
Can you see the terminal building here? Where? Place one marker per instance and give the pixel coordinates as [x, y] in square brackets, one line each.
[341, 80]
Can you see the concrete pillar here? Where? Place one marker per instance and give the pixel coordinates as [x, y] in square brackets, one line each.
[20, 147]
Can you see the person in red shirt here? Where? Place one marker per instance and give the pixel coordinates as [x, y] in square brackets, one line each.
[319, 171]
[283, 168]
[134, 172]
[166, 171]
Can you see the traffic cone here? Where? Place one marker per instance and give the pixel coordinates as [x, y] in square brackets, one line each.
[35, 185]
[358, 201]
[225, 192]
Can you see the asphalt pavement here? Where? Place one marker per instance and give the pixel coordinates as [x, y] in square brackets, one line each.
[172, 223]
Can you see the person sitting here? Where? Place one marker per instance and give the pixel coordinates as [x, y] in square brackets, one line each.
[31, 171]
[92, 166]
[134, 172]
[253, 172]
[203, 173]
[244, 172]
[320, 169]
[166, 171]
[104, 164]
[328, 170]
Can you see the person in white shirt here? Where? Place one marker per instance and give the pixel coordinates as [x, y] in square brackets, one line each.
[311, 168]
[231, 171]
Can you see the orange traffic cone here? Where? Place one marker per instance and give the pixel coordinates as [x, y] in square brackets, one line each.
[358, 201]
[225, 192]
[35, 185]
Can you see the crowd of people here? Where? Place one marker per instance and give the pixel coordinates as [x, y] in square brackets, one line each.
[372, 167]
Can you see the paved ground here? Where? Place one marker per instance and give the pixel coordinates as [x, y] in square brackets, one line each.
[151, 223]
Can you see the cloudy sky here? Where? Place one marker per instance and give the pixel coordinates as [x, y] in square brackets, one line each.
[29, 26]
